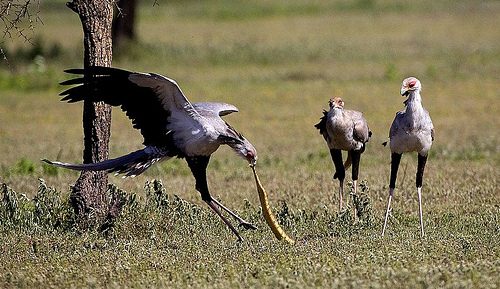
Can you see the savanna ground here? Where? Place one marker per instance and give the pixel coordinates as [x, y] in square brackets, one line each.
[279, 63]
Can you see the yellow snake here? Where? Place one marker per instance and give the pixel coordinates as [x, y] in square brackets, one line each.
[266, 210]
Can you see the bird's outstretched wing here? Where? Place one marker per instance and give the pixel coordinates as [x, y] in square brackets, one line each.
[214, 109]
[147, 98]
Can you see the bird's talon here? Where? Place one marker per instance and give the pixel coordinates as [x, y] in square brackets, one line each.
[247, 226]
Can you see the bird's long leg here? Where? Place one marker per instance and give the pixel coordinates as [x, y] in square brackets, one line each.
[420, 174]
[391, 192]
[356, 157]
[243, 223]
[395, 160]
[341, 193]
[218, 212]
[198, 166]
[419, 193]
[339, 172]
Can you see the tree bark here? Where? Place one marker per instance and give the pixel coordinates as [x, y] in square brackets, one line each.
[88, 195]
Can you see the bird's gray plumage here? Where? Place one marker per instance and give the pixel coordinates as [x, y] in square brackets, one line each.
[214, 109]
[129, 165]
[412, 129]
[171, 125]
[345, 130]
[342, 128]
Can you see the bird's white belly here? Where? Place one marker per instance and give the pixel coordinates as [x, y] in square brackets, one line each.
[411, 142]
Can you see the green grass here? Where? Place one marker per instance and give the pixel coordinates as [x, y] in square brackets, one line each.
[279, 63]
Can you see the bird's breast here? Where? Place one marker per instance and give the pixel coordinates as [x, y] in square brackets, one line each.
[193, 137]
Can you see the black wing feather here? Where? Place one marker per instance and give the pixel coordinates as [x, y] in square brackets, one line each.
[112, 86]
[321, 125]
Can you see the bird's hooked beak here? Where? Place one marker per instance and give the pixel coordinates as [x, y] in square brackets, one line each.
[404, 91]
[250, 154]
[252, 159]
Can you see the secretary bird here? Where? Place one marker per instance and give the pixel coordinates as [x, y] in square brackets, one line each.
[346, 130]
[170, 124]
[411, 131]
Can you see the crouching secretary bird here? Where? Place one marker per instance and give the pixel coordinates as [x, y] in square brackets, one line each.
[347, 130]
[170, 124]
[411, 131]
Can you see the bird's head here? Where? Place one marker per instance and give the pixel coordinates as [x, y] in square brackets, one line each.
[248, 151]
[410, 84]
[336, 102]
[245, 149]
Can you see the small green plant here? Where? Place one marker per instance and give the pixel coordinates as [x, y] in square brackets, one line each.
[363, 204]
[49, 170]
[391, 72]
[345, 222]
[24, 167]
[50, 209]
[156, 195]
[15, 209]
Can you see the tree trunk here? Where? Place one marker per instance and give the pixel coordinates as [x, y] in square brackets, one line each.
[88, 196]
[124, 22]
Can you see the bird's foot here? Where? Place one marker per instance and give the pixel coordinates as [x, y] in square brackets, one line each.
[247, 226]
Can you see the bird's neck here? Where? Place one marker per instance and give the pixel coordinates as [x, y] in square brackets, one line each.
[414, 102]
[336, 111]
[414, 108]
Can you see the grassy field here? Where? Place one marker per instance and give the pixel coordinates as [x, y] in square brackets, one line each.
[279, 63]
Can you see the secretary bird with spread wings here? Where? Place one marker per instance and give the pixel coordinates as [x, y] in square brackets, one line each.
[170, 124]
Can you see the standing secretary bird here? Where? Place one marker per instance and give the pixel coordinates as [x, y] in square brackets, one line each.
[345, 130]
[411, 131]
[170, 124]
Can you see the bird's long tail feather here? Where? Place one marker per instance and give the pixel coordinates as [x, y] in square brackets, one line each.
[130, 165]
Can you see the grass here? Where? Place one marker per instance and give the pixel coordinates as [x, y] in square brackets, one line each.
[279, 63]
